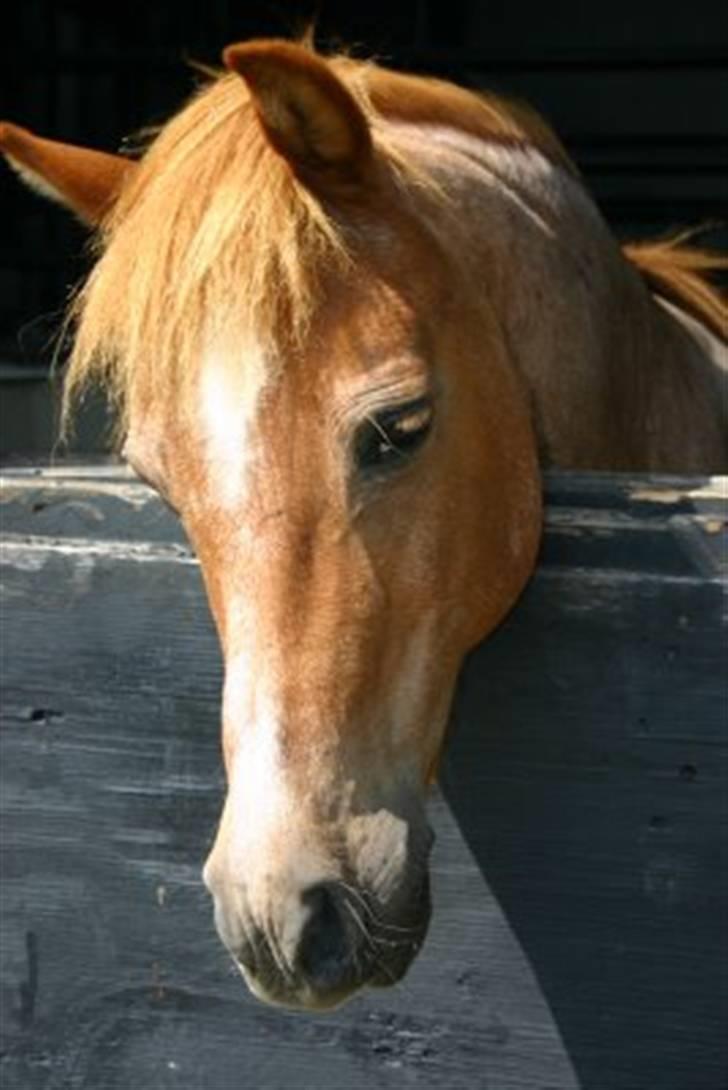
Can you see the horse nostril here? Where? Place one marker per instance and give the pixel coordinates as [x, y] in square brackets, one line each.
[324, 950]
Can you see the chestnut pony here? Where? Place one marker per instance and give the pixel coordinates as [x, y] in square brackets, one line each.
[345, 314]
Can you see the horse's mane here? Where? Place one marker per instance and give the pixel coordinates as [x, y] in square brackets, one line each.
[214, 239]
[680, 273]
[214, 226]
[428, 101]
[211, 228]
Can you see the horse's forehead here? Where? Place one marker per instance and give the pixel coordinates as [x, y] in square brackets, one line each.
[360, 331]
[229, 389]
[250, 401]
[227, 408]
[251, 397]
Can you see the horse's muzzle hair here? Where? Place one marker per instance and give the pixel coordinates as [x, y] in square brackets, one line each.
[311, 943]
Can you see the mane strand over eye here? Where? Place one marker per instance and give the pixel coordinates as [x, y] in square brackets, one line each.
[389, 439]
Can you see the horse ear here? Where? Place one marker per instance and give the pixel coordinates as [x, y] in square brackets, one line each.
[309, 116]
[84, 180]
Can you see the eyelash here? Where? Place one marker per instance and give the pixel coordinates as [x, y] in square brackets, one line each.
[387, 440]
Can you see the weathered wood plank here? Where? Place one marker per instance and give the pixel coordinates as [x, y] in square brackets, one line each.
[580, 872]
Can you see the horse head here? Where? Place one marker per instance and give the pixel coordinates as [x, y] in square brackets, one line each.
[310, 373]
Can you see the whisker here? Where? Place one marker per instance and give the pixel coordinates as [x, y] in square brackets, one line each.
[277, 954]
[371, 912]
[373, 953]
[371, 948]
[359, 922]
[373, 943]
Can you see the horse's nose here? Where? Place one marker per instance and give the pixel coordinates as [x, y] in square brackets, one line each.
[324, 953]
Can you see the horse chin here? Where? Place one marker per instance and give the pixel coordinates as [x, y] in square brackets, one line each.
[303, 999]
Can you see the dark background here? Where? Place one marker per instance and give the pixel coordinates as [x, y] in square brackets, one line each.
[637, 90]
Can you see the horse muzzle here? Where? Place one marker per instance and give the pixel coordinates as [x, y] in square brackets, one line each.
[314, 948]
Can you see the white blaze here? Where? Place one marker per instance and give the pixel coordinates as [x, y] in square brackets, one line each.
[257, 789]
[231, 391]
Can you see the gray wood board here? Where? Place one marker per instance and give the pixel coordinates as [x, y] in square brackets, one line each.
[579, 935]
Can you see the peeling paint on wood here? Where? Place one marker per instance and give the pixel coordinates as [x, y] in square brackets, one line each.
[713, 490]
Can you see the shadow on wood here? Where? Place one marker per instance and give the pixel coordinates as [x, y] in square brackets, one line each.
[588, 776]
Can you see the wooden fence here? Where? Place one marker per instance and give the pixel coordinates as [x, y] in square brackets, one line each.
[580, 935]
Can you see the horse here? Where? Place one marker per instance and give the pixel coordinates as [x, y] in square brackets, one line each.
[346, 316]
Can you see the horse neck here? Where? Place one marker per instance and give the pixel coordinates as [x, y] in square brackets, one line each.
[582, 330]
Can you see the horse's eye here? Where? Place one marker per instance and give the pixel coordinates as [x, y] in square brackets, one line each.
[387, 440]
